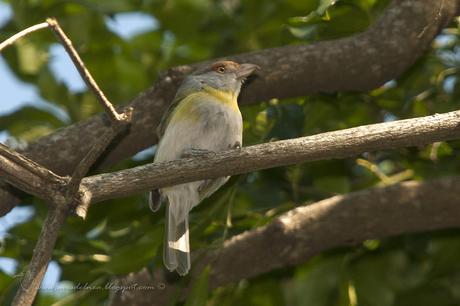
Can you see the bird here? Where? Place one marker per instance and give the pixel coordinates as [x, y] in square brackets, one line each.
[203, 117]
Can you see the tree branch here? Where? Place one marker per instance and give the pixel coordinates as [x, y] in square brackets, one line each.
[21, 34]
[359, 63]
[29, 176]
[84, 72]
[30, 282]
[91, 157]
[338, 144]
[308, 230]
[287, 68]
[64, 194]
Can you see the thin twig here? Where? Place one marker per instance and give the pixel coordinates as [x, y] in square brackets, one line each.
[90, 158]
[86, 163]
[74, 187]
[118, 120]
[31, 280]
[18, 169]
[67, 43]
[84, 72]
[23, 33]
[279, 79]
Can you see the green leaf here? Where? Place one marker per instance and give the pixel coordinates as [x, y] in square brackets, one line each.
[29, 122]
[304, 32]
[333, 184]
[31, 58]
[316, 283]
[8, 288]
[324, 5]
[321, 11]
[134, 256]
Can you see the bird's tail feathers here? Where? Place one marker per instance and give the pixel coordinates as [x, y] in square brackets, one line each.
[176, 251]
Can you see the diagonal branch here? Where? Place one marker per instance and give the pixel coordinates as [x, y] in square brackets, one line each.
[74, 187]
[359, 63]
[64, 199]
[64, 195]
[29, 176]
[99, 147]
[31, 280]
[308, 230]
[21, 34]
[29, 164]
[281, 62]
[338, 144]
[84, 72]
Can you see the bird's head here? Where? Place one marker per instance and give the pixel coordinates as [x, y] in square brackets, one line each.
[225, 76]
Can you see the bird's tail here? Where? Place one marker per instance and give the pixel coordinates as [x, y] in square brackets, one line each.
[176, 250]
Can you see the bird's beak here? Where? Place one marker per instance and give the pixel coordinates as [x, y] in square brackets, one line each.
[245, 70]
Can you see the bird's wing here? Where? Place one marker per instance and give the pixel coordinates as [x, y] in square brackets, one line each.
[188, 87]
[166, 116]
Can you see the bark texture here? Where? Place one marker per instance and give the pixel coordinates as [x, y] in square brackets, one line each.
[359, 63]
[338, 144]
[308, 230]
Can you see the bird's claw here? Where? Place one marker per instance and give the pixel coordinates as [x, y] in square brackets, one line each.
[236, 145]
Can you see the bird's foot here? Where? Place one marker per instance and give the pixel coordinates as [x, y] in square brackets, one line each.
[236, 146]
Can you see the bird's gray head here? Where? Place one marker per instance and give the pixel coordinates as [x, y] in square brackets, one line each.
[225, 76]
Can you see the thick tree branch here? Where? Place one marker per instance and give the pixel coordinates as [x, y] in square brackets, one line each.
[64, 194]
[29, 176]
[308, 230]
[290, 227]
[338, 144]
[358, 63]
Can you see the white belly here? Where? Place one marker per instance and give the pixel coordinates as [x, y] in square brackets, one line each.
[214, 126]
[219, 128]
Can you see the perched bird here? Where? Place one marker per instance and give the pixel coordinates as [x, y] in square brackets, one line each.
[204, 116]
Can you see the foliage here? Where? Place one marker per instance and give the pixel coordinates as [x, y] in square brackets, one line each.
[122, 235]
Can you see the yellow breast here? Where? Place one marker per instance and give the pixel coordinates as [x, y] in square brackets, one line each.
[188, 107]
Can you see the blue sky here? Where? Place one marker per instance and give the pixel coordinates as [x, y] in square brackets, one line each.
[16, 94]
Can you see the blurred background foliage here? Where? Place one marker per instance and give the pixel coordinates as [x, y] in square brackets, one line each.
[122, 236]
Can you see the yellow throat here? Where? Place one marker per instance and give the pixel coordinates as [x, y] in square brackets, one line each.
[186, 108]
[226, 97]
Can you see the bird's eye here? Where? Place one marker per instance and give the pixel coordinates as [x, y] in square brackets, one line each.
[221, 69]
